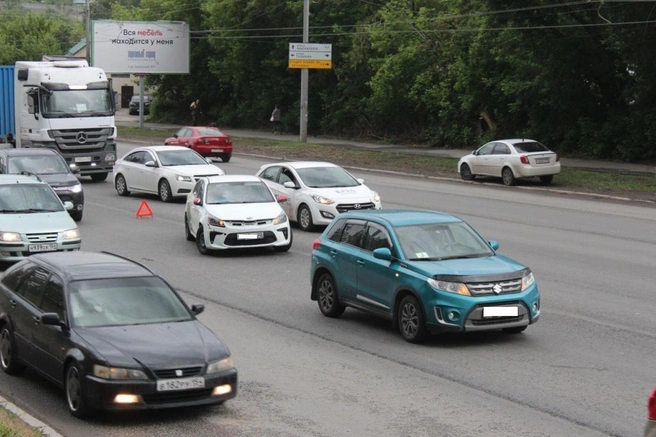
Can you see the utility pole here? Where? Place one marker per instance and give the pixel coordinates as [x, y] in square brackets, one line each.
[304, 73]
[88, 25]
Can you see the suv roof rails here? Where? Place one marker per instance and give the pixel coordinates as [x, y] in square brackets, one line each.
[27, 173]
[128, 259]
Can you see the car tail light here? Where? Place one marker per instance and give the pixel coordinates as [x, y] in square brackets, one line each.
[557, 158]
[651, 406]
[316, 244]
[524, 159]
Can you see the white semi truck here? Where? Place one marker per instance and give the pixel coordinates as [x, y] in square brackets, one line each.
[68, 106]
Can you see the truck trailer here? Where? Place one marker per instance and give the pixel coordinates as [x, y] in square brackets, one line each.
[64, 105]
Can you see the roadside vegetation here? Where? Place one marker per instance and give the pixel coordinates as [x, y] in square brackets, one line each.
[12, 426]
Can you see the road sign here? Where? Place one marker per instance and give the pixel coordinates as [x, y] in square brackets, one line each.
[310, 63]
[305, 47]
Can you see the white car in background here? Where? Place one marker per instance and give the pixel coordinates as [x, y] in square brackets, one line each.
[511, 160]
[236, 212]
[317, 191]
[168, 171]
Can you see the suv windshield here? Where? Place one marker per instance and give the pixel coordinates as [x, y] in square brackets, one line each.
[46, 164]
[28, 198]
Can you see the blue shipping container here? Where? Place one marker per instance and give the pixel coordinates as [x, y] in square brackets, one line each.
[7, 123]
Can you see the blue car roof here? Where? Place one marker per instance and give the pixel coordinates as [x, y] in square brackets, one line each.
[403, 217]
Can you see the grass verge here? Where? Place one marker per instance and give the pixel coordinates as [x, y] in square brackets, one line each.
[12, 426]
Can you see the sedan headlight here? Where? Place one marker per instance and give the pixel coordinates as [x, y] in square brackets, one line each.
[527, 280]
[282, 218]
[322, 200]
[183, 178]
[71, 234]
[450, 287]
[220, 366]
[77, 188]
[375, 196]
[213, 221]
[105, 372]
[10, 236]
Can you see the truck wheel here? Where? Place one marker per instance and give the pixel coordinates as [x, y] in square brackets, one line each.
[99, 177]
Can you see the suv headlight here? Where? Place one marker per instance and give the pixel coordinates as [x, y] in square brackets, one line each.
[449, 287]
[77, 188]
[527, 280]
[71, 234]
[213, 221]
[10, 236]
[375, 196]
[282, 218]
[105, 372]
[183, 178]
[322, 200]
[220, 366]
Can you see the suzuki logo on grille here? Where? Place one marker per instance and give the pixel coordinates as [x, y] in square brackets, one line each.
[178, 373]
[357, 206]
[81, 138]
[497, 288]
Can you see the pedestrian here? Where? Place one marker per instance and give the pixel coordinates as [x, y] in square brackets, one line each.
[11, 140]
[275, 120]
[196, 112]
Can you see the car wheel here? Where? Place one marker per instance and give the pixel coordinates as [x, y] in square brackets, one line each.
[188, 235]
[200, 242]
[164, 190]
[411, 320]
[327, 297]
[77, 216]
[305, 218]
[99, 177]
[465, 173]
[121, 186]
[516, 330]
[507, 176]
[226, 158]
[286, 247]
[75, 393]
[8, 358]
[546, 180]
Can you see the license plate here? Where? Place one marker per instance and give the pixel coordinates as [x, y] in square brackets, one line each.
[217, 150]
[180, 384]
[500, 312]
[251, 236]
[42, 247]
[542, 160]
[83, 159]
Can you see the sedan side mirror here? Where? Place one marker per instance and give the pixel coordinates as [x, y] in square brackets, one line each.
[281, 198]
[289, 184]
[51, 319]
[175, 135]
[209, 160]
[197, 308]
[150, 164]
[360, 180]
[493, 244]
[197, 201]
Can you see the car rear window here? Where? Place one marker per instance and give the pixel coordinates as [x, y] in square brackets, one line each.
[209, 131]
[530, 146]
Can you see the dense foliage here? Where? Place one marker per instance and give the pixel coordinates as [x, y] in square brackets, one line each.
[577, 75]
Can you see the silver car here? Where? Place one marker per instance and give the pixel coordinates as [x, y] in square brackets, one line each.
[33, 219]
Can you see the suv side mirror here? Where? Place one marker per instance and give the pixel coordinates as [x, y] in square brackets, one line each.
[383, 253]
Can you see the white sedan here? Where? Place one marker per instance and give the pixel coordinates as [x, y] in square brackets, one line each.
[317, 191]
[234, 212]
[510, 160]
[168, 171]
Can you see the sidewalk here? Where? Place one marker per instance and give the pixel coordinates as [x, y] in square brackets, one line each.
[123, 119]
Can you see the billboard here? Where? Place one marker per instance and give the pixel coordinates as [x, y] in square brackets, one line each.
[157, 47]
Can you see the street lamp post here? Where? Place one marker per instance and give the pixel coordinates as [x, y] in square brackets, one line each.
[305, 73]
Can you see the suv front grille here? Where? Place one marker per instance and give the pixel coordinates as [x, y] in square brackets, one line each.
[491, 288]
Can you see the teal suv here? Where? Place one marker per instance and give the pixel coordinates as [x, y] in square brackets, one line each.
[426, 271]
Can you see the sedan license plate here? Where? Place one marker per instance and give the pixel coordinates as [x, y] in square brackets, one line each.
[542, 160]
[217, 150]
[180, 384]
[42, 247]
[251, 236]
[83, 159]
[500, 312]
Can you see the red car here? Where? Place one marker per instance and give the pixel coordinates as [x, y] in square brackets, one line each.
[650, 428]
[206, 140]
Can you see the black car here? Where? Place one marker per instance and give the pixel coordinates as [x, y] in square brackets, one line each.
[134, 105]
[51, 168]
[111, 332]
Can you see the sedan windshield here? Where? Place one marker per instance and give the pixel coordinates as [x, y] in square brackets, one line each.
[125, 301]
[28, 198]
[441, 241]
[238, 192]
[326, 177]
[180, 157]
[50, 164]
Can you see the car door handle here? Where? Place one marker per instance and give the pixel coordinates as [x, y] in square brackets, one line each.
[360, 262]
[36, 319]
[333, 252]
[12, 302]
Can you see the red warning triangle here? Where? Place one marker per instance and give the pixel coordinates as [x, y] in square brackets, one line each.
[144, 210]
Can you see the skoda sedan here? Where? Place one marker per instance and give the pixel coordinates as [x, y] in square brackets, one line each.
[427, 272]
[112, 333]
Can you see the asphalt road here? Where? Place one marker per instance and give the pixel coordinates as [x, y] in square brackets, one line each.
[585, 369]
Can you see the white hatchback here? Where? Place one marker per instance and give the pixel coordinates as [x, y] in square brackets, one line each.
[510, 160]
[168, 171]
[234, 212]
[317, 191]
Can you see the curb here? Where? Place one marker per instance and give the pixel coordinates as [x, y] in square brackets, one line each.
[29, 419]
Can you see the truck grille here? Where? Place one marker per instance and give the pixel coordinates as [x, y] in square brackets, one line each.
[81, 140]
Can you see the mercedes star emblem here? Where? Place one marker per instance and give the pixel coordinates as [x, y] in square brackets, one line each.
[81, 138]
